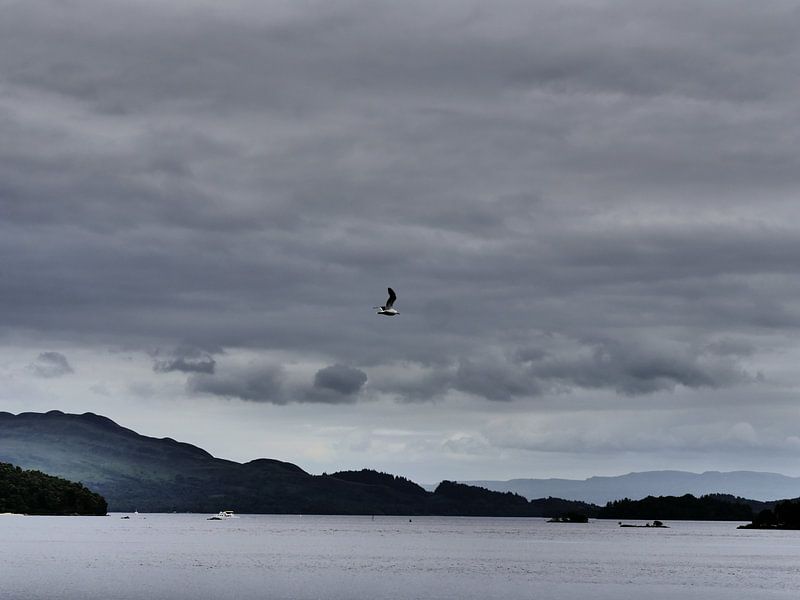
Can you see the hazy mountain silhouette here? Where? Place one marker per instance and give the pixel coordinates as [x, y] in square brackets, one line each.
[599, 490]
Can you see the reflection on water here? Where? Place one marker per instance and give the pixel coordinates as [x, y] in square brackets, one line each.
[176, 557]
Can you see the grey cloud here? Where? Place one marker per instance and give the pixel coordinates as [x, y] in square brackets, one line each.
[185, 360]
[633, 432]
[466, 445]
[337, 382]
[224, 183]
[630, 368]
[185, 365]
[259, 382]
[50, 365]
[142, 389]
[494, 380]
[413, 48]
[531, 354]
[416, 384]
[732, 347]
[255, 383]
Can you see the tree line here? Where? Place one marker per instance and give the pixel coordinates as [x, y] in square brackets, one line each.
[35, 493]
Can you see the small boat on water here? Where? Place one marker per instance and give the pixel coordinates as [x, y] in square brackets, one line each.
[222, 515]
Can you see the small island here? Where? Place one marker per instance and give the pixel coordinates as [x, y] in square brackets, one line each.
[35, 493]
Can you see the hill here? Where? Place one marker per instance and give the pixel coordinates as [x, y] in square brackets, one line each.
[34, 493]
[372, 477]
[136, 472]
[704, 508]
[599, 490]
[784, 515]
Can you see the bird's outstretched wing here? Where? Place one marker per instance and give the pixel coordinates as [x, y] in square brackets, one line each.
[392, 298]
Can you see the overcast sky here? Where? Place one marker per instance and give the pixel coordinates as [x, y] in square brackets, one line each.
[589, 212]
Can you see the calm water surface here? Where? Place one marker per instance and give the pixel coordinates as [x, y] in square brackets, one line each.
[176, 557]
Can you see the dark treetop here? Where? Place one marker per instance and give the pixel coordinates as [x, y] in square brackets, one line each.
[785, 515]
[34, 493]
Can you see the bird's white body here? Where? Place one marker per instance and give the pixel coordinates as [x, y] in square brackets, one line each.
[387, 308]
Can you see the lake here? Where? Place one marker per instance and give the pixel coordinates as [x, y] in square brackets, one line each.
[180, 556]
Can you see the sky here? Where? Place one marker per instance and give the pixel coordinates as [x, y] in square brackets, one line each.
[588, 210]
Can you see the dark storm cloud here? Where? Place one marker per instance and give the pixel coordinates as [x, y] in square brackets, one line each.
[50, 364]
[341, 379]
[335, 384]
[256, 175]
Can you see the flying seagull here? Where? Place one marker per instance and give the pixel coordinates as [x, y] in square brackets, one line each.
[387, 308]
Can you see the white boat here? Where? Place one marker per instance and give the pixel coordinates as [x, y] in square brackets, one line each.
[222, 515]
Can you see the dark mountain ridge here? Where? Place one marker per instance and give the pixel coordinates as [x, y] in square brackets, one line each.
[136, 472]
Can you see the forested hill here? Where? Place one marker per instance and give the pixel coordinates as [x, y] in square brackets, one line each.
[704, 508]
[372, 477]
[34, 493]
[135, 472]
[784, 515]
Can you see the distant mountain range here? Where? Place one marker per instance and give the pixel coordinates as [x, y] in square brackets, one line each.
[135, 472]
[600, 490]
